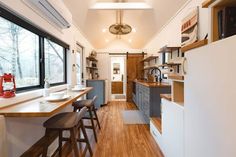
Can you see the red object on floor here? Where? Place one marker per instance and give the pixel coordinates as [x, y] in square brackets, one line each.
[7, 86]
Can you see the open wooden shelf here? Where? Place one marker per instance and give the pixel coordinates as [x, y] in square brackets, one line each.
[207, 3]
[176, 77]
[216, 6]
[91, 59]
[92, 68]
[166, 96]
[218, 3]
[157, 123]
[150, 67]
[148, 59]
[167, 49]
[169, 64]
[194, 45]
[177, 91]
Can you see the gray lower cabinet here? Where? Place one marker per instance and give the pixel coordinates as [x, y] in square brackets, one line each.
[98, 90]
[148, 100]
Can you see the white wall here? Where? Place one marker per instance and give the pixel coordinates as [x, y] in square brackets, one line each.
[69, 36]
[171, 33]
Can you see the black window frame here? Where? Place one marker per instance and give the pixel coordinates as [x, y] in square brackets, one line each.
[15, 18]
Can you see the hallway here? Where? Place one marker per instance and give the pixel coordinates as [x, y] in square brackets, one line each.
[119, 140]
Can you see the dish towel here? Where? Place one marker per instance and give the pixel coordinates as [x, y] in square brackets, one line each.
[3, 138]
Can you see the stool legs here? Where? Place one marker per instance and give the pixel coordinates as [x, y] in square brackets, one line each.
[45, 148]
[74, 142]
[60, 143]
[86, 139]
[92, 123]
[96, 117]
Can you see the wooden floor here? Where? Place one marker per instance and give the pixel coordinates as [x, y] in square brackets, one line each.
[116, 139]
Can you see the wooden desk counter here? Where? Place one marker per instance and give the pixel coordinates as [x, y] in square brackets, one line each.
[39, 107]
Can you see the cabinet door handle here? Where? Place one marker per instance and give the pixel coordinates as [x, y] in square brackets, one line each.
[184, 61]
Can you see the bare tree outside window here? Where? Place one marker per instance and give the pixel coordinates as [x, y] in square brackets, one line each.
[19, 53]
[54, 62]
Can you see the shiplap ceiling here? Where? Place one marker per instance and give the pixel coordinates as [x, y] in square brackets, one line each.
[94, 24]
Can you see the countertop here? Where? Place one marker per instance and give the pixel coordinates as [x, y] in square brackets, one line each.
[152, 84]
[39, 107]
[96, 79]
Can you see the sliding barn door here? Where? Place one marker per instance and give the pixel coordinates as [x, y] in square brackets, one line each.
[134, 71]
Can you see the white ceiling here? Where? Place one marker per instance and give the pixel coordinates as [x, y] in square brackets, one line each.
[146, 22]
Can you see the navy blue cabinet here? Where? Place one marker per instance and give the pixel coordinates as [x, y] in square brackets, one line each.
[148, 99]
[98, 90]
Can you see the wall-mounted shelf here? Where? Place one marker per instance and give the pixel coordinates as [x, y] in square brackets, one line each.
[217, 3]
[92, 68]
[194, 45]
[216, 7]
[207, 3]
[148, 59]
[176, 77]
[167, 49]
[169, 64]
[91, 59]
[150, 67]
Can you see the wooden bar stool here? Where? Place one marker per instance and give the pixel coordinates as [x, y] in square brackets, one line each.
[67, 121]
[90, 104]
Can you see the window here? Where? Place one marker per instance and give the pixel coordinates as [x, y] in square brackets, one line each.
[18, 49]
[54, 59]
[29, 53]
[79, 64]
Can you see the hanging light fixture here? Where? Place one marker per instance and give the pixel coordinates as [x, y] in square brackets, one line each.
[119, 28]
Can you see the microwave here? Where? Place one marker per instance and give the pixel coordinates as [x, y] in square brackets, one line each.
[227, 22]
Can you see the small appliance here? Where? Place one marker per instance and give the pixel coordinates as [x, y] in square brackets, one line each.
[7, 86]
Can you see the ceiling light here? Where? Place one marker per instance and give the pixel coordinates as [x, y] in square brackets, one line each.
[133, 30]
[104, 30]
[120, 29]
[106, 40]
[130, 40]
[120, 6]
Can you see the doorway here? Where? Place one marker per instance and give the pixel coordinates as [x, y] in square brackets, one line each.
[134, 71]
[79, 64]
[118, 78]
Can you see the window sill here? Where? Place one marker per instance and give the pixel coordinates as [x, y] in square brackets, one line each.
[20, 97]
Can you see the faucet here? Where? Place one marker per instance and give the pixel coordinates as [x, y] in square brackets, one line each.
[157, 76]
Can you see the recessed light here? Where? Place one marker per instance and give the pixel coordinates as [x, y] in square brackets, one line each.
[104, 30]
[130, 40]
[106, 40]
[133, 30]
[120, 6]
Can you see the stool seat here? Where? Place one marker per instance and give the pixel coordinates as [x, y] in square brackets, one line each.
[82, 103]
[67, 121]
[62, 121]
